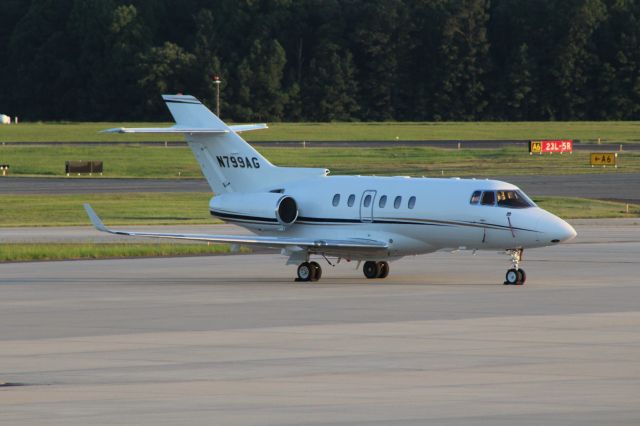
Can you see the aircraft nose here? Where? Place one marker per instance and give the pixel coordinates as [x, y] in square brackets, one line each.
[557, 230]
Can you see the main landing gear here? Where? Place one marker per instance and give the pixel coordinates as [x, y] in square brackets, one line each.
[309, 271]
[373, 269]
[515, 275]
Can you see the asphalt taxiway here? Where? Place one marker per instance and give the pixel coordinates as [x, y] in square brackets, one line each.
[233, 340]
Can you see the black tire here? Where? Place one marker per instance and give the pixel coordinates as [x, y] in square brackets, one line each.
[317, 271]
[522, 277]
[383, 270]
[370, 269]
[512, 277]
[305, 272]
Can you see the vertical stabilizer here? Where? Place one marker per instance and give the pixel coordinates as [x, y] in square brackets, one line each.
[228, 162]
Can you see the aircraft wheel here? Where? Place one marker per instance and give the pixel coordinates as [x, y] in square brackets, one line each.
[370, 269]
[316, 271]
[522, 277]
[383, 270]
[514, 276]
[305, 272]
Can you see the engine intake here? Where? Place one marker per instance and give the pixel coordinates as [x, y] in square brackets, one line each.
[287, 212]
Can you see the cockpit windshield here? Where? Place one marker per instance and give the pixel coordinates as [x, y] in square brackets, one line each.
[513, 199]
[509, 198]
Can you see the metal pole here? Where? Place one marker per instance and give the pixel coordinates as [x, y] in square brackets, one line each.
[217, 82]
[218, 99]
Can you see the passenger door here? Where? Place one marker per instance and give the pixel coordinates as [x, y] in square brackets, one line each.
[487, 210]
[366, 205]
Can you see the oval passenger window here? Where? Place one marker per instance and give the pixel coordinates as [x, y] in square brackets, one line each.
[336, 200]
[367, 201]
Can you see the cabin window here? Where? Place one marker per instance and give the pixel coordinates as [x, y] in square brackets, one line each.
[475, 197]
[513, 199]
[488, 198]
[351, 200]
[412, 202]
[382, 202]
[397, 201]
[367, 200]
[336, 200]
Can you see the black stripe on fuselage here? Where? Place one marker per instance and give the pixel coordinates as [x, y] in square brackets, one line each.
[328, 221]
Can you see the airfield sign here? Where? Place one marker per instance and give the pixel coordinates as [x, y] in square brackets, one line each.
[550, 146]
[604, 159]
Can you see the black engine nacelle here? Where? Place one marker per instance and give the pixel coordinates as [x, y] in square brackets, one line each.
[259, 209]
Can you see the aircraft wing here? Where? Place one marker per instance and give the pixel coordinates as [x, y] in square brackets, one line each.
[359, 244]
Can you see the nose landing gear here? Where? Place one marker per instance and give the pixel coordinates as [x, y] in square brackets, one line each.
[515, 275]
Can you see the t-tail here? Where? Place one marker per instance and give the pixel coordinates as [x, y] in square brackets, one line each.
[227, 161]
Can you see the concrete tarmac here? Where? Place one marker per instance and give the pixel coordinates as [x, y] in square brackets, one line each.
[232, 340]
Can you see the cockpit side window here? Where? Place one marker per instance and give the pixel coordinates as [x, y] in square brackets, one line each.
[513, 199]
[475, 197]
[488, 198]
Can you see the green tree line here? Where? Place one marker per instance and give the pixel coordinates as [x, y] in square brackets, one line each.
[323, 60]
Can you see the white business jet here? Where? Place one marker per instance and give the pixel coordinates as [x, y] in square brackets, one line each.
[307, 213]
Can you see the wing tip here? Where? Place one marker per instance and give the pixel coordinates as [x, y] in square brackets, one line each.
[113, 130]
[95, 219]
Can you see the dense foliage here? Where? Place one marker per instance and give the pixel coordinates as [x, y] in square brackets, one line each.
[320, 60]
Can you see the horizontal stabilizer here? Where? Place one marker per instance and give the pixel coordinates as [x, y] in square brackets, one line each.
[238, 128]
[174, 129]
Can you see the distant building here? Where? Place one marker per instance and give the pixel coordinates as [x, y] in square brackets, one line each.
[5, 119]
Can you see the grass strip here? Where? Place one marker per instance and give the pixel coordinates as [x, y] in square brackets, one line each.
[146, 208]
[616, 131]
[176, 162]
[584, 208]
[32, 252]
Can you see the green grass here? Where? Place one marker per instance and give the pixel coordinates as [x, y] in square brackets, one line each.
[115, 209]
[192, 208]
[582, 208]
[119, 161]
[434, 162]
[160, 162]
[31, 252]
[616, 131]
